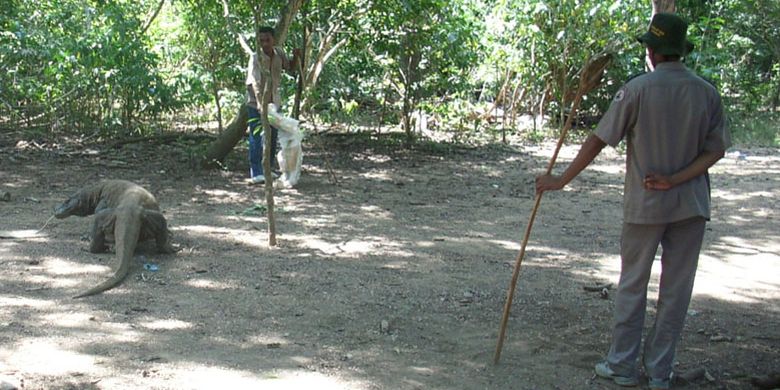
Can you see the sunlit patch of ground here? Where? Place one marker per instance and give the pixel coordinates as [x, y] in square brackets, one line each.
[393, 279]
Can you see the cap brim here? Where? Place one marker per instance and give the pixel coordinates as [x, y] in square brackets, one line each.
[644, 38]
[650, 40]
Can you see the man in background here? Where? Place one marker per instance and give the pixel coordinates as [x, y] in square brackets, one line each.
[269, 60]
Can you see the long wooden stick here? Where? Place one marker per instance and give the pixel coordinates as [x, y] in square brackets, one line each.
[263, 100]
[268, 140]
[518, 262]
[589, 78]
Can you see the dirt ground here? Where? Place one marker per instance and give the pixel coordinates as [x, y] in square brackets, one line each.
[394, 277]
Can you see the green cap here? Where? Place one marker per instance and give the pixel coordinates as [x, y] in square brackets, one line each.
[666, 35]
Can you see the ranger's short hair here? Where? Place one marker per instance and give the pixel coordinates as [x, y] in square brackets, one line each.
[267, 30]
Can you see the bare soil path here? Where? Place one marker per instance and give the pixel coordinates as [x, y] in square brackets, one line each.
[393, 279]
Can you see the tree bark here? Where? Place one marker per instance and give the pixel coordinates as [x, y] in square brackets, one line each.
[228, 139]
[410, 74]
[324, 52]
[215, 92]
[663, 6]
[328, 44]
[301, 79]
[287, 16]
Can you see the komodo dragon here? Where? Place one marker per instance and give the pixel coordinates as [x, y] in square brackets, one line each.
[125, 213]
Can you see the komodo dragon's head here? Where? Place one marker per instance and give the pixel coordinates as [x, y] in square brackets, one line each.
[73, 206]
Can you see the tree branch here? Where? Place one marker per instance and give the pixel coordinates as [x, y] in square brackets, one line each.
[154, 16]
[287, 16]
[241, 40]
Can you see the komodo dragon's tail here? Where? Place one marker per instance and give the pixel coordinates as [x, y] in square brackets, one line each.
[127, 230]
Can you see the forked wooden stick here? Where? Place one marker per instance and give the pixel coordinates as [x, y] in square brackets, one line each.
[590, 78]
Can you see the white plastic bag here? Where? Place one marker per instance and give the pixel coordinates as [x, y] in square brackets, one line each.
[290, 155]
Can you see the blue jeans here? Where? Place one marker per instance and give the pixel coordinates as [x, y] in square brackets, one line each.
[255, 123]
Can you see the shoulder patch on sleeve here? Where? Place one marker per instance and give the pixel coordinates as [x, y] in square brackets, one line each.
[620, 95]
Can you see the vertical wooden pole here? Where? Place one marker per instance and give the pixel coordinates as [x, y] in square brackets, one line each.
[263, 98]
[267, 158]
[590, 78]
[519, 261]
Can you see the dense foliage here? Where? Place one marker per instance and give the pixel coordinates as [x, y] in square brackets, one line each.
[108, 68]
[71, 64]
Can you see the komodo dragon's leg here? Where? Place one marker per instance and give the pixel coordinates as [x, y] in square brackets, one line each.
[155, 227]
[104, 222]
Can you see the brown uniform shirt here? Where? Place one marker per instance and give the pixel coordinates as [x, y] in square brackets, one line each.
[255, 75]
[667, 117]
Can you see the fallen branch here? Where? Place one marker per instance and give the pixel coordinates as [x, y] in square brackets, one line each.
[598, 288]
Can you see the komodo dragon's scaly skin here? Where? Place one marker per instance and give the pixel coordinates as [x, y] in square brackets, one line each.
[125, 213]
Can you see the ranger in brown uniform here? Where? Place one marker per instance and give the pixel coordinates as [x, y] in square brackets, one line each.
[673, 124]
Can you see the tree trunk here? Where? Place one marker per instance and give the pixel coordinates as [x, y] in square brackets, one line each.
[228, 139]
[659, 6]
[410, 75]
[287, 15]
[663, 6]
[406, 113]
[325, 50]
[301, 67]
[215, 91]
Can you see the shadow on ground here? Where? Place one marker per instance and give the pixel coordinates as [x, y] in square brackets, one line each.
[394, 278]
